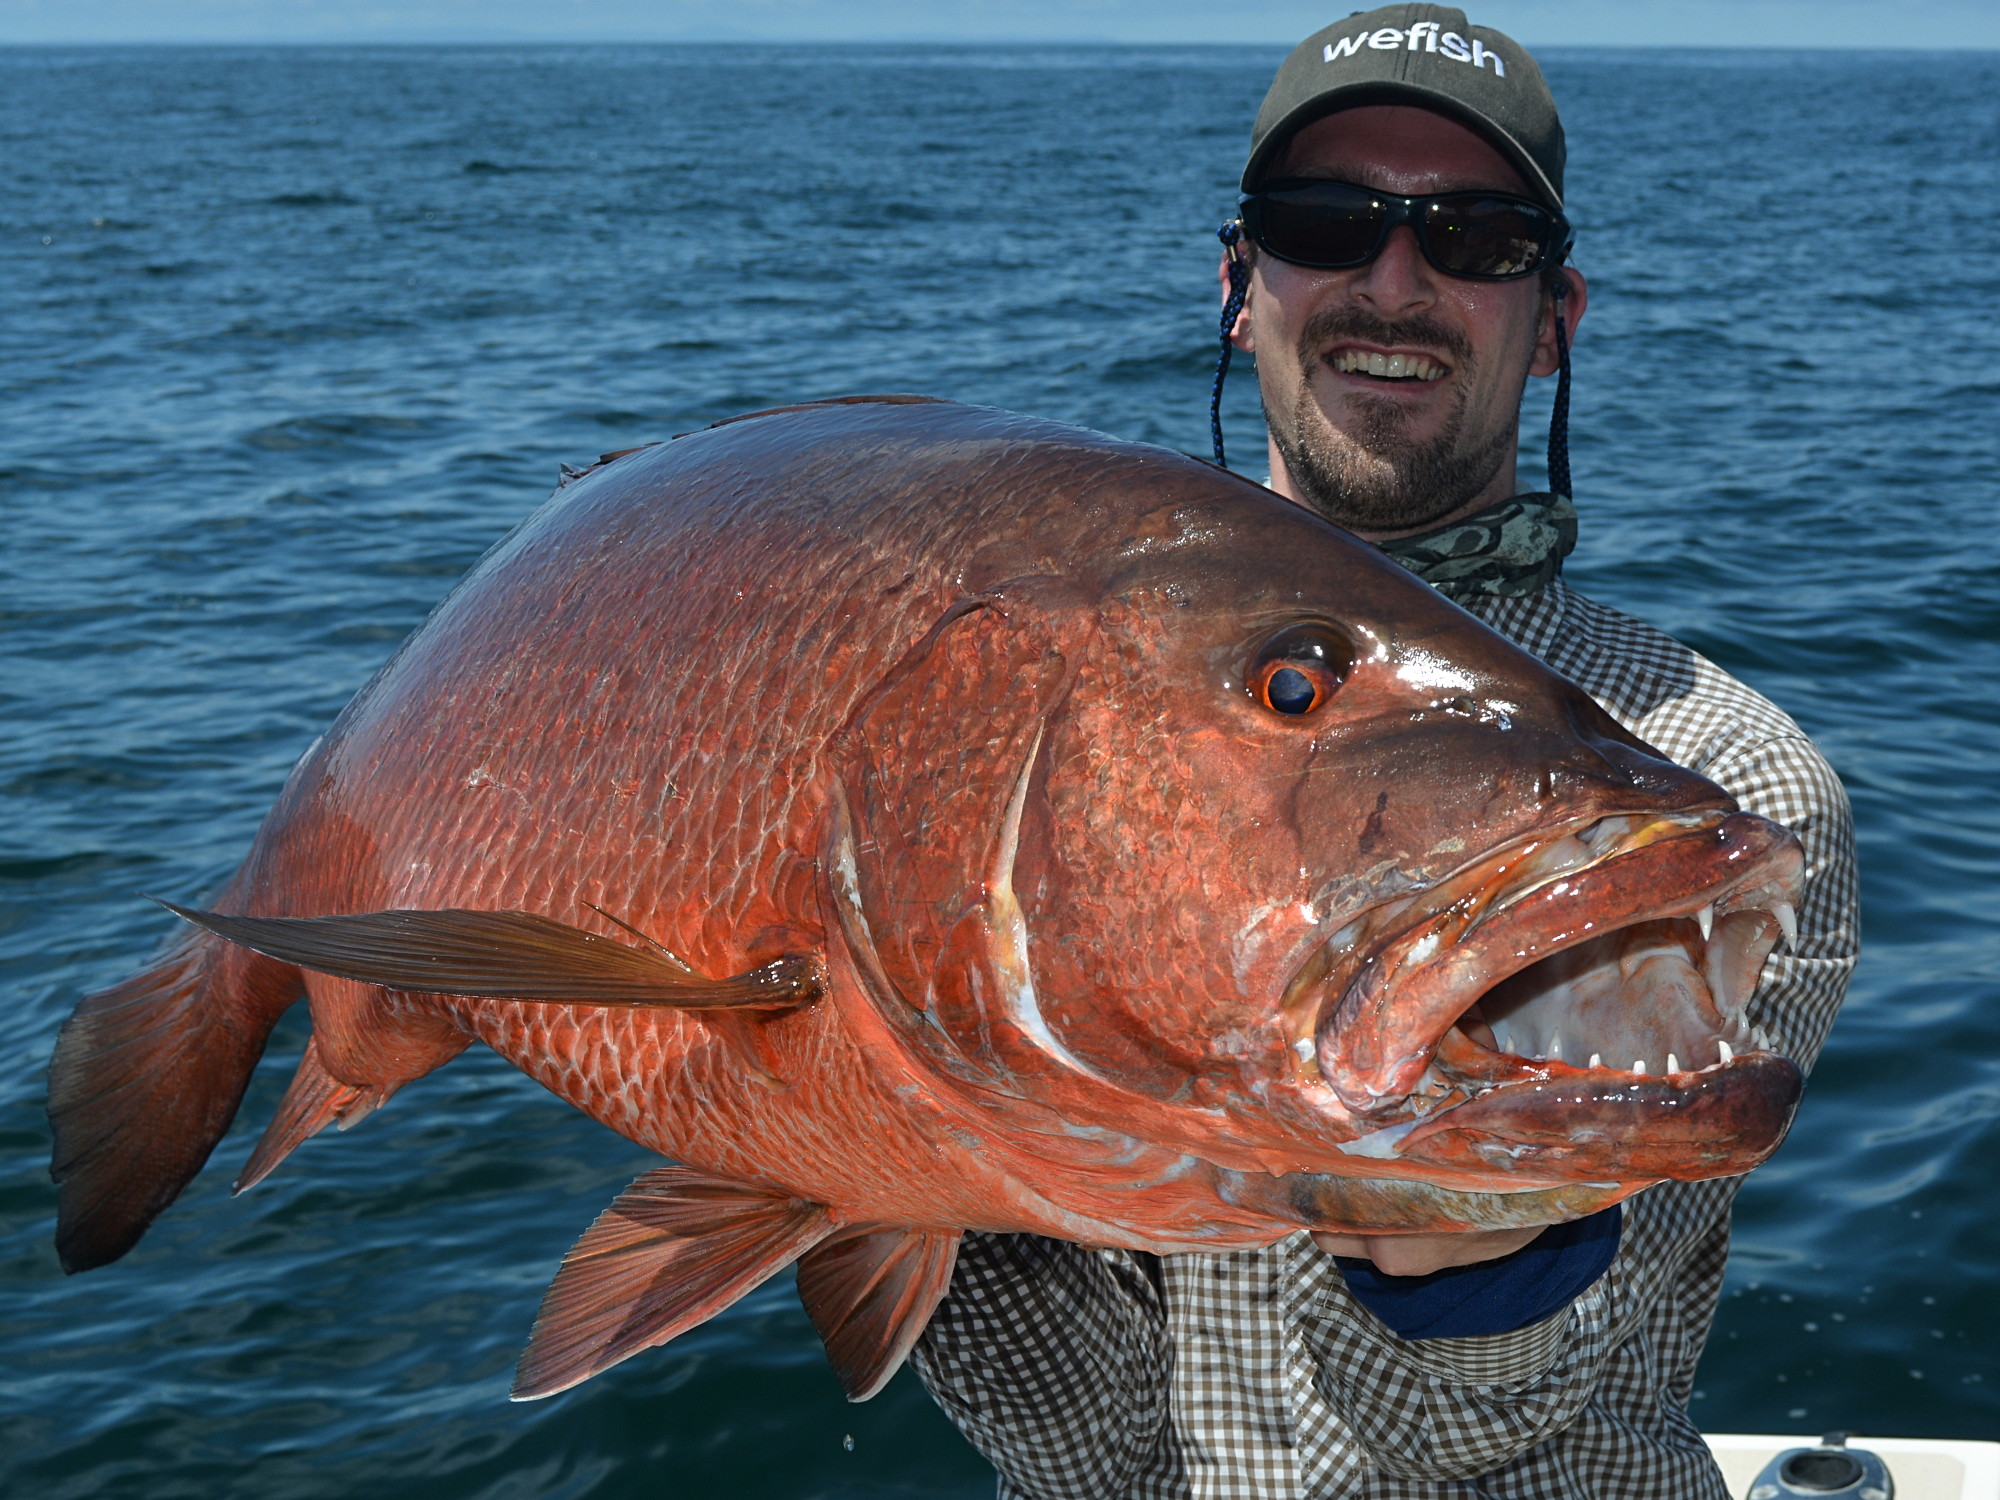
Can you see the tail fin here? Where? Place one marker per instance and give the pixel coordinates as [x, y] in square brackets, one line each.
[146, 1078]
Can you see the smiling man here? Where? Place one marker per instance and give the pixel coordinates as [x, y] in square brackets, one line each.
[1399, 272]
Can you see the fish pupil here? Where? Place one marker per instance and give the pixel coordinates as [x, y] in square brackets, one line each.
[1290, 691]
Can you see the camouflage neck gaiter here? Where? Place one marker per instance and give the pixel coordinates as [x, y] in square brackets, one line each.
[1509, 549]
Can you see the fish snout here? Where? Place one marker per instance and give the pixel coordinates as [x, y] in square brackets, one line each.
[1567, 967]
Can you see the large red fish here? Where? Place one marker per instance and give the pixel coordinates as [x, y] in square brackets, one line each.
[912, 818]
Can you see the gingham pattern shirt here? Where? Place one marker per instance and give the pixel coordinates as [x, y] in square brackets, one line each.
[1101, 1375]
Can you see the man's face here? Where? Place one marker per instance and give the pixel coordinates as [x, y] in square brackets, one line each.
[1392, 390]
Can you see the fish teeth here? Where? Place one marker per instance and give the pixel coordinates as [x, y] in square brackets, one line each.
[1304, 1047]
[1673, 1063]
[1597, 1059]
[1728, 1052]
[1638, 1067]
[1556, 1047]
[1706, 917]
[1788, 922]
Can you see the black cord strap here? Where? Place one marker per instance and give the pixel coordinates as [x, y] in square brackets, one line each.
[1559, 418]
[1231, 235]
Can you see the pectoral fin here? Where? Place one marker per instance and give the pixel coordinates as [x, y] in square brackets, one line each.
[673, 1250]
[505, 955]
[870, 1295]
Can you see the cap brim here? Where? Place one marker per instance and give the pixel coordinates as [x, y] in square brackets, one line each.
[1393, 91]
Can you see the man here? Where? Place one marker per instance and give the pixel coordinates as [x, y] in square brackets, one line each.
[1393, 343]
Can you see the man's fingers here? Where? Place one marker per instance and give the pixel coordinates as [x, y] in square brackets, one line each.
[1421, 1254]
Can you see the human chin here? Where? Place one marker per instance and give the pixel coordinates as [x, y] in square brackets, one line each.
[1414, 412]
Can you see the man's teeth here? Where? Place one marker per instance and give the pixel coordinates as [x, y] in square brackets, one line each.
[1387, 366]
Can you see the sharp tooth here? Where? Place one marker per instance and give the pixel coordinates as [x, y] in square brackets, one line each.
[1501, 1039]
[1597, 1059]
[1673, 1063]
[1556, 1047]
[1788, 922]
[1639, 1067]
[1304, 1047]
[1728, 1052]
[1706, 916]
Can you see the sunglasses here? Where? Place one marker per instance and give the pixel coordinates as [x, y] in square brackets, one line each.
[1333, 226]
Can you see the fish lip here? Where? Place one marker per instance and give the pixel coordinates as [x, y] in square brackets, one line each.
[1368, 1010]
[1576, 1123]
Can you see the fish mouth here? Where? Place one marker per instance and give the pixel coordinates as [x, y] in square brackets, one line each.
[1570, 1004]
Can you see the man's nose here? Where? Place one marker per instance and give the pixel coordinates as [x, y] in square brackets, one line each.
[1399, 280]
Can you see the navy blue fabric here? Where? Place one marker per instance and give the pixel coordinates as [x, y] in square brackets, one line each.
[1495, 1296]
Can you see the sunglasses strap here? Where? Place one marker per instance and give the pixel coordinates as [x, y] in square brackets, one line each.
[1231, 235]
[1559, 417]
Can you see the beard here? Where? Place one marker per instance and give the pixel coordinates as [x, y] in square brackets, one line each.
[1373, 475]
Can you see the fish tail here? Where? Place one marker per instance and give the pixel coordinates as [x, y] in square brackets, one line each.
[146, 1077]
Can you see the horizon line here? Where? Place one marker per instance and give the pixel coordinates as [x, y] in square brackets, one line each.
[629, 39]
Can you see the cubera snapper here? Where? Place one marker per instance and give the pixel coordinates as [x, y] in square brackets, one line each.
[911, 818]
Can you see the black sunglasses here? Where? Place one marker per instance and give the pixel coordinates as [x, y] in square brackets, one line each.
[1333, 226]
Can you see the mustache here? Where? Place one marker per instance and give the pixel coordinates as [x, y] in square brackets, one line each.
[1332, 325]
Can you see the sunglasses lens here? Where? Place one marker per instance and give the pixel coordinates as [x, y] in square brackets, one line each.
[1485, 237]
[1324, 224]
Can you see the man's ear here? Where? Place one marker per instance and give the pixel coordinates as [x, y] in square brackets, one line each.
[1547, 360]
[1240, 335]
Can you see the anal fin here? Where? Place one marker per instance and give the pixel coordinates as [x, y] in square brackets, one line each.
[673, 1250]
[315, 1100]
[870, 1293]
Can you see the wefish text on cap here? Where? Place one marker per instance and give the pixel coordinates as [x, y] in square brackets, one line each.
[1429, 56]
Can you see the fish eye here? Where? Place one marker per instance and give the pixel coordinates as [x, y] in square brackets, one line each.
[1299, 668]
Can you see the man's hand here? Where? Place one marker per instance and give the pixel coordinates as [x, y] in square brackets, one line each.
[1421, 1254]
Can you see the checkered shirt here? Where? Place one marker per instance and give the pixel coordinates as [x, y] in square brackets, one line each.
[1107, 1375]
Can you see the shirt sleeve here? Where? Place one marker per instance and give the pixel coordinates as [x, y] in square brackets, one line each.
[1053, 1360]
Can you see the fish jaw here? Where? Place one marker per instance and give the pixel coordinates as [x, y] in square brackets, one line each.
[1341, 1203]
[1570, 1007]
[1720, 1120]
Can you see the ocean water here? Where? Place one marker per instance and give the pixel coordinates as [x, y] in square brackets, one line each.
[292, 336]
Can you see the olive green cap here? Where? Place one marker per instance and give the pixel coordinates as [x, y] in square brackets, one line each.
[1426, 55]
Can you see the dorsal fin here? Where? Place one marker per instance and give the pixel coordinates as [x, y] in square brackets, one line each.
[505, 955]
[673, 1250]
[870, 1294]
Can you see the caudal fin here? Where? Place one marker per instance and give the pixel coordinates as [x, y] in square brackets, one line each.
[146, 1078]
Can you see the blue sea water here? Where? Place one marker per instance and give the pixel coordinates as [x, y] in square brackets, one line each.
[292, 335]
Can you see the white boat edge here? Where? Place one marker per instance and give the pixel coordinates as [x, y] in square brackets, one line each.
[1923, 1468]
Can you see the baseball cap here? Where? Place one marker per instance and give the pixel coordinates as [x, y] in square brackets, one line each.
[1426, 55]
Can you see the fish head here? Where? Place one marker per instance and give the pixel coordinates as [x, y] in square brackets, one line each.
[1290, 861]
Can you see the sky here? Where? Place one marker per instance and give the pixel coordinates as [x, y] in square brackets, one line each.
[1681, 23]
